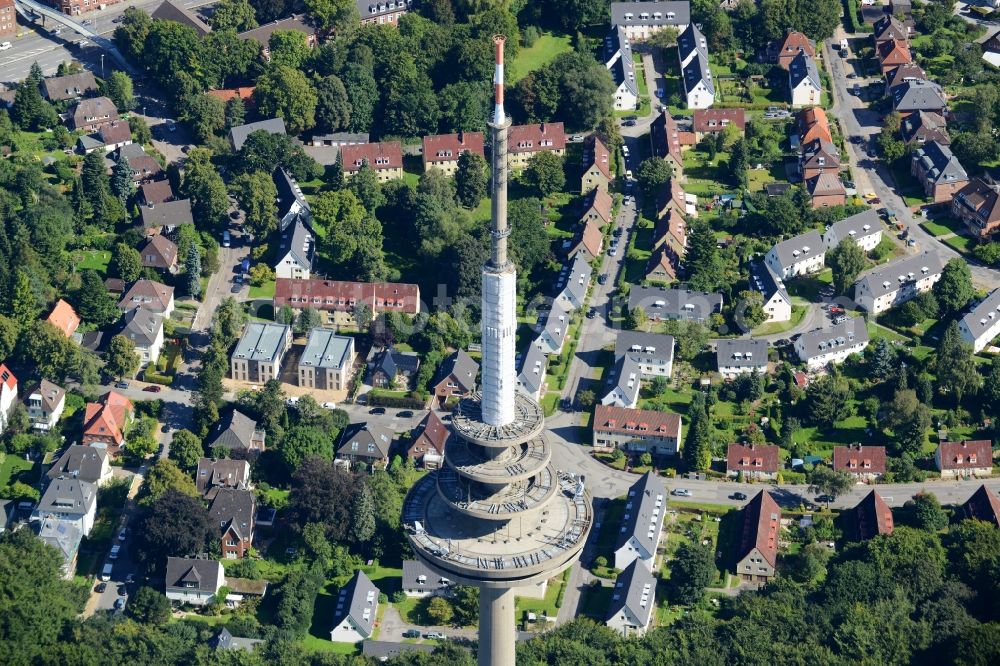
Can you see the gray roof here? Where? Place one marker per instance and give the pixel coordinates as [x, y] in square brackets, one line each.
[645, 506]
[627, 378]
[578, 278]
[289, 194]
[392, 362]
[415, 570]
[370, 8]
[62, 535]
[925, 124]
[57, 88]
[326, 349]
[81, 462]
[262, 341]
[557, 322]
[50, 394]
[856, 226]
[674, 303]
[635, 592]
[939, 164]
[238, 135]
[383, 650]
[800, 248]
[168, 11]
[234, 432]
[223, 472]
[887, 279]
[131, 150]
[262, 34]
[299, 242]
[803, 67]
[462, 367]
[651, 13]
[690, 41]
[90, 142]
[167, 214]
[204, 573]
[618, 55]
[141, 326]
[68, 496]
[374, 441]
[983, 314]
[6, 512]
[650, 345]
[767, 282]
[741, 353]
[533, 369]
[918, 95]
[234, 508]
[345, 138]
[697, 71]
[830, 338]
[359, 601]
[226, 641]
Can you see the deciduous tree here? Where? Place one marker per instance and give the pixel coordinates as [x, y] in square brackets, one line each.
[954, 290]
[545, 173]
[126, 262]
[186, 449]
[257, 194]
[847, 261]
[286, 93]
[174, 525]
[691, 570]
[121, 359]
[471, 179]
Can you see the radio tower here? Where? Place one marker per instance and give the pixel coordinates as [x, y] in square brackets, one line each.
[497, 515]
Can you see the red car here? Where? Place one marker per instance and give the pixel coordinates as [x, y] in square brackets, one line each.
[153, 389]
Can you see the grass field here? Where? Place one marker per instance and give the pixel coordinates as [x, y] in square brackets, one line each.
[798, 312]
[13, 466]
[547, 605]
[266, 290]
[961, 243]
[92, 260]
[541, 53]
[942, 226]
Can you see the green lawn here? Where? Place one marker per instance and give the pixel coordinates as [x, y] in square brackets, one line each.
[546, 606]
[798, 313]
[942, 226]
[809, 286]
[537, 56]
[963, 244]
[92, 260]
[13, 466]
[266, 290]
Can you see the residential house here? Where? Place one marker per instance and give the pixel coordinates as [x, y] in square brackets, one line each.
[964, 459]
[6, 515]
[45, 405]
[65, 536]
[427, 449]
[71, 500]
[388, 367]
[105, 422]
[681, 304]
[145, 329]
[913, 96]
[939, 171]
[924, 126]
[755, 461]
[90, 114]
[864, 228]
[713, 121]
[292, 204]
[804, 84]
[777, 302]
[524, 141]
[893, 53]
[642, 522]
[153, 296]
[671, 230]
[696, 77]
[420, 581]
[442, 151]
[981, 324]
[904, 74]
[991, 47]
[978, 206]
[633, 600]
[573, 282]
[64, 318]
[832, 344]
[238, 135]
[85, 463]
[260, 351]
[326, 361]
[636, 430]
[166, 215]
[338, 139]
[553, 333]
[71, 86]
[193, 581]
[367, 444]
[244, 93]
[654, 352]
[618, 59]
[295, 251]
[357, 606]
[531, 378]
[234, 510]
[170, 11]
[826, 190]
[588, 243]
[596, 165]
[262, 34]
[625, 389]
[159, 252]
[665, 141]
[741, 356]
[144, 168]
[214, 474]
[663, 265]
[796, 256]
[757, 542]
[871, 517]
[672, 196]
[866, 463]
[110, 137]
[8, 394]
[890, 29]
[784, 51]
[381, 12]
[456, 377]
[813, 125]
[818, 157]
[895, 283]
[983, 505]
[385, 158]
[339, 299]
[237, 433]
[597, 205]
[643, 19]
[8, 18]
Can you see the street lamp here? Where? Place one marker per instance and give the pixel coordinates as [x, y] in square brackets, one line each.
[102, 65]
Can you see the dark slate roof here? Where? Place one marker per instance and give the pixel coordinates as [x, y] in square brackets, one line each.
[82, 462]
[674, 303]
[358, 600]
[533, 368]
[697, 71]
[205, 573]
[918, 95]
[141, 326]
[289, 193]
[618, 55]
[627, 379]
[982, 316]
[648, 345]
[67, 496]
[634, 591]
[646, 504]
[830, 338]
[799, 248]
[577, 276]
[803, 67]
[417, 575]
[234, 509]
[691, 41]
[58, 88]
[234, 432]
[927, 125]
[741, 353]
[392, 362]
[462, 367]
[856, 226]
[383, 650]
[888, 278]
[299, 242]
[374, 441]
[375, 8]
[939, 164]
[167, 214]
[262, 34]
[168, 11]
[767, 282]
[629, 13]
[238, 135]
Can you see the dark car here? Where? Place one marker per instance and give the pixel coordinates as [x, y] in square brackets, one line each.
[153, 389]
[602, 278]
[101, 587]
[591, 313]
[629, 123]
[824, 499]
[122, 385]
[120, 604]
[618, 232]
[631, 118]
[738, 496]
[405, 414]
[377, 410]
[236, 288]
[122, 591]
[411, 633]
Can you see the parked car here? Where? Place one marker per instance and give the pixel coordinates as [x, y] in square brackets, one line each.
[613, 251]
[738, 496]
[575, 138]
[824, 498]
[120, 604]
[629, 123]
[411, 633]
[840, 319]
[437, 635]
[122, 591]
[591, 313]
[122, 385]
[602, 278]
[292, 401]
[153, 389]
[129, 579]
[377, 410]
[5, 45]
[405, 414]
[631, 118]
[123, 534]
[100, 587]
[328, 405]
[617, 232]
[236, 288]
[681, 492]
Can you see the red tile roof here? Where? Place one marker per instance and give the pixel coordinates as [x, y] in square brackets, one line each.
[872, 517]
[761, 523]
[716, 120]
[432, 437]
[622, 420]
[859, 459]
[533, 138]
[342, 296]
[107, 417]
[813, 124]
[448, 147]
[967, 454]
[672, 229]
[983, 505]
[752, 458]
[665, 137]
[590, 237]
[7, 377]
[795, 42]
[115, 133]
[64, 317]
[894, 52]
[663, 259]
[595, 153]
[600, 202]
[384, 155]
[226, 94]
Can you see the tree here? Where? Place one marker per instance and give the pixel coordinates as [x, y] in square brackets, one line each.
[237, 15]
[909, 420]
[847, 261]
[118, 88]
[126, 262]
[94, 304]
[806, 565]
[738, 164]
[308, 319]
[954, 290]
[164, 477]
[286, 93]
[47, 349]
[471, 179]
[691, 570]
[439, 610]
[828, 400]
[363, 515]
[174, 525]
[340, 16]
[192, 268]
[365, 186]
[122, 185]
[206, 113]
[186, 449]
[24, 307]
[235, 112]
[141, 134]
[321, 493]
[652, 175]
[333, 107]
[955, 366]
[751, 309]
[121, 359]
[586, 398]
[635, 318]
[288, 48]
[697, 450]
[256, 194]
[663, 39]
[465, 604]
[704, 266]
[827, 481]
[297, 599]
[149, 606]
[303, 441]
[927, 512]
[545, 173]
[203, 185]
[31, 112]
[8, 336]
[882, 361]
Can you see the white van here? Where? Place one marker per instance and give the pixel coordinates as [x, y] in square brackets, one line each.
[106, 572]
[225, 239]
[114, 552]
